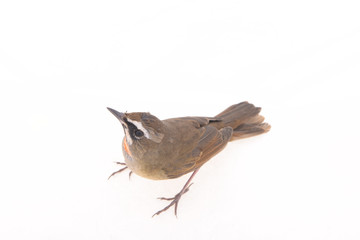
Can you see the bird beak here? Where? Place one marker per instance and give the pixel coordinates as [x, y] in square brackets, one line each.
[118, 115]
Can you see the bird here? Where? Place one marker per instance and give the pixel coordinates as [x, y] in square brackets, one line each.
[166, 149]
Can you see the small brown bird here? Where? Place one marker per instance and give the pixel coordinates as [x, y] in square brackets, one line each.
[170, 148]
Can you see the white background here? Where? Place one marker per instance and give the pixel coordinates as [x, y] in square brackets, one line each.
[63, 62]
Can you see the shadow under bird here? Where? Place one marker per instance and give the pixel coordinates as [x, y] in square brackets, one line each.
[165, 149]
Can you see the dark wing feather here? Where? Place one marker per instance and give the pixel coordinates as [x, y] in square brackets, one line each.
[211, 143]
[208, 145]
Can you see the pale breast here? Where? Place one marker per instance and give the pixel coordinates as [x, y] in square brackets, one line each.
[141, 167]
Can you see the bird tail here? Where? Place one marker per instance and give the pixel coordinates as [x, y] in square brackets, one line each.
[245, 120]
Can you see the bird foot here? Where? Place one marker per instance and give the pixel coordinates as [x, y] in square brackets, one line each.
[118, 171]
[120, 163]
[174, 201]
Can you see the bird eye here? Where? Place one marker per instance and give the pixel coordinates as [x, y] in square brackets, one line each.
[139, 133]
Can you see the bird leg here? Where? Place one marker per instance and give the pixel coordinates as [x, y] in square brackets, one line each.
[118, 171]
[175, 200]
[120, 163]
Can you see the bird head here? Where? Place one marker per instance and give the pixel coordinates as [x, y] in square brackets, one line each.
[142, 130]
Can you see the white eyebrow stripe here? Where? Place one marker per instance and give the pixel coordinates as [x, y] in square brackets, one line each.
[140, 127]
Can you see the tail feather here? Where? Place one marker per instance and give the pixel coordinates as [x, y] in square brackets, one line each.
[245, 120]
[249, 130]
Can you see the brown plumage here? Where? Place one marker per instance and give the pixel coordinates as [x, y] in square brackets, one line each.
[244, 119]
[170, 148]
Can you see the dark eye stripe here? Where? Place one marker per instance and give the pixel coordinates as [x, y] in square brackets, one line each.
[133, 129]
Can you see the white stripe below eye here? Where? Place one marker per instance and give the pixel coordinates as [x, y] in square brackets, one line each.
[140, 127]
[127, 135]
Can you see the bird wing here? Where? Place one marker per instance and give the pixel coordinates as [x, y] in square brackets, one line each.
[211, 143]
[207, 141]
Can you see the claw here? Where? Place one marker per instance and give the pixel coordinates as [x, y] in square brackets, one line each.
[168, 206]
[169, 199]
[119, 171]
[120, 163]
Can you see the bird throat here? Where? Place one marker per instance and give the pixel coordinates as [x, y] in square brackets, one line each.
[126, 147]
